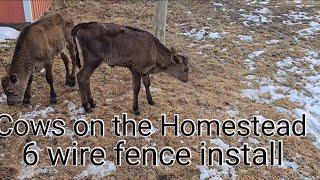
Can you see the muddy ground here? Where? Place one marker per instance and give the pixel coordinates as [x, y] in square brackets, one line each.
[217, 73]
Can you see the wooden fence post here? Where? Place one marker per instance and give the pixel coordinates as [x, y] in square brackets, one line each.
[161, 16]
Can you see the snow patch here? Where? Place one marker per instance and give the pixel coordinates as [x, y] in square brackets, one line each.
[217, 4]
[313, 28]
[97, 172]
[8, 33]
[245, 38]
[289, 165]
[290, 23]
[27, 172]
[273, 41]
[250, 64]
[264, 1]
[287, 62]
[312, 57]
[263, 11]
[306, 95]
[3, 98]
[36, 113]
[221, 172]
[260, 118]
[256, 54]
[219, 143]
[232, 113]
[252, 2]
[250, 77]
[74, 111]
[254, 19]
[203, 33]
[252, 140]
[214, 35]
[152, 130]
[299, 16]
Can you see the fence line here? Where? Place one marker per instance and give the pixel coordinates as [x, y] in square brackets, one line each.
[243, 48]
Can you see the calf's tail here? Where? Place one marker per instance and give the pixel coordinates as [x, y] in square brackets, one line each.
[74, 38]
[74, 33]
[77, 52]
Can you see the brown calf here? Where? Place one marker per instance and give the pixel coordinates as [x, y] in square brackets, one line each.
[124, 46]
[37, 46]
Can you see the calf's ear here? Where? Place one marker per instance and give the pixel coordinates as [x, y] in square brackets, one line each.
[14, 78]
[173, 50]
[175, 59]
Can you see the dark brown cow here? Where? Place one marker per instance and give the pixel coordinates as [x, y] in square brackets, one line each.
[124, 46]
[37, 46]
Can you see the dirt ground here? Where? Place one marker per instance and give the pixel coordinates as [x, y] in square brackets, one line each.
[214, 89]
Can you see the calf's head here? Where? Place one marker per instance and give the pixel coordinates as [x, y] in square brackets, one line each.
[14, 87]
[178, 67]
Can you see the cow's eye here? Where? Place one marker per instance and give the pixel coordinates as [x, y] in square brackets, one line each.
[9, 92]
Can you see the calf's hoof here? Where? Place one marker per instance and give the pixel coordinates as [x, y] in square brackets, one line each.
[73, 84]
[93, 105]
[87, 110]
[71, 81]
[26, 105]
[26, 102]
[136, 112]
[151, 103]
[53, 101]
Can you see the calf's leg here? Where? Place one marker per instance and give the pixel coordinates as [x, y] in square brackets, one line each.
[84, 86]
[69, 80]
[89, 95]
[146, 83]
[136, 84]
[49, 78]
[27, 94]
